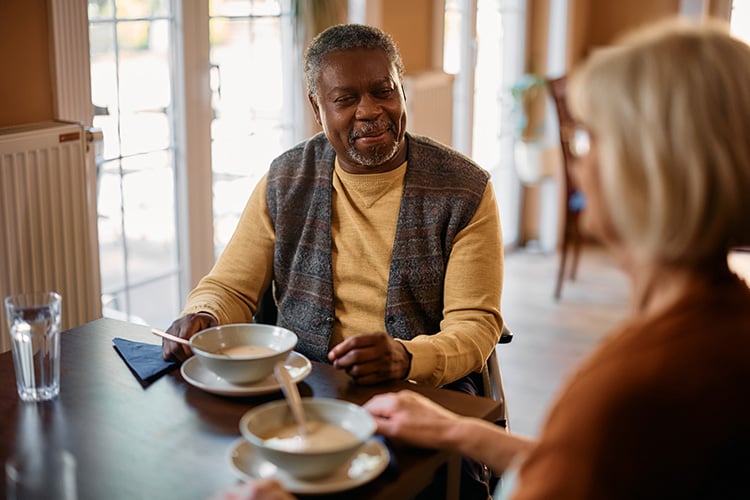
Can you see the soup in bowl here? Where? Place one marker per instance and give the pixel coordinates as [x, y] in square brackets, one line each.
[243, 353]
[335, 431]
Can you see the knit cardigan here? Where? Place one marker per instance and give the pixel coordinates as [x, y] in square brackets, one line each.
[442, 190]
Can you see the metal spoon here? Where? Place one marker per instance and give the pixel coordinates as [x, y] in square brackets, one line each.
[169, 336]
[180, 340]
[289, 388]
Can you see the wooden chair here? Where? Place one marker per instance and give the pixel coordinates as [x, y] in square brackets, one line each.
[492, 378]
[574, 201]
[267, 312]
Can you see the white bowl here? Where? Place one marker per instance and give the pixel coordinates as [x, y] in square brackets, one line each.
[248, 367]
[259, 425]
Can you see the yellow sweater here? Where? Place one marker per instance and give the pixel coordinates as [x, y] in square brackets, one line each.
[363, 225]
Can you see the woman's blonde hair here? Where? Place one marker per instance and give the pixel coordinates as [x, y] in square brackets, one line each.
[669, 109]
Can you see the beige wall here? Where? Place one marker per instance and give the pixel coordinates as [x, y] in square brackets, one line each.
[411, 26]
[417, 28]
[26, 83]
[594, 23]
[609, 20]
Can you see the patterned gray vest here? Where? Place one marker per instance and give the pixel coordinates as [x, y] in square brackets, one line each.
[442, 190]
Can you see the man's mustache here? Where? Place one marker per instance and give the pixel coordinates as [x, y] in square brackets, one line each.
[369, 128]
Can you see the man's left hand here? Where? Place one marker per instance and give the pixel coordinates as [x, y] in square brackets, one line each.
[371, 358]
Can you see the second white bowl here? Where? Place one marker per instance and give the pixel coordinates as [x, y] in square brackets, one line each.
[259, 427]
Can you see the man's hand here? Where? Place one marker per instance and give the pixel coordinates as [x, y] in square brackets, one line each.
[371, 358]
[185, 327]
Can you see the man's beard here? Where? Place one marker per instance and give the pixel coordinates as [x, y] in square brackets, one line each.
[376, 155]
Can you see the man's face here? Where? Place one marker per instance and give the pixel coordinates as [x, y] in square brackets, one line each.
[361, 107]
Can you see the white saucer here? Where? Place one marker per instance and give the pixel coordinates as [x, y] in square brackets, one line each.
[367, 464]
[195, 373]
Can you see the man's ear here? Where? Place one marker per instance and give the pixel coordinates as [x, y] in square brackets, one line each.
[315, 108]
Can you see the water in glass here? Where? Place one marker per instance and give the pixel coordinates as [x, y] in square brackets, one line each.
[34, 324]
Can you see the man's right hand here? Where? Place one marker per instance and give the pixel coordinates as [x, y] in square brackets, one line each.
[185, 327]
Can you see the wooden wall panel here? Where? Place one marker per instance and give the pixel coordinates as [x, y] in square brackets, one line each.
[609, 20]
[26, 83]
[411, 26]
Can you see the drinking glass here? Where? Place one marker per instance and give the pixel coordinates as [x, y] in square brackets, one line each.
[34, 325]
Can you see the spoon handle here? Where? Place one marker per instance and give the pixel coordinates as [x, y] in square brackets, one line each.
[169, 336]
[289, 388]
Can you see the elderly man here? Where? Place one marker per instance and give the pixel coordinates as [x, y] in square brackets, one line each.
[384, 248]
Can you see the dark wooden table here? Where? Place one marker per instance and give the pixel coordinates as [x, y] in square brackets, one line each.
[169, 439]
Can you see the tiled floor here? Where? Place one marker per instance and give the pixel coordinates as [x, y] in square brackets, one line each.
[550, 337]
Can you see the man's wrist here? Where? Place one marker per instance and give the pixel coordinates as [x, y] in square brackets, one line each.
[408, 354]
[207, 319]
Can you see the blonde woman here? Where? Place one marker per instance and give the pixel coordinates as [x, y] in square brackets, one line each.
[662, 408]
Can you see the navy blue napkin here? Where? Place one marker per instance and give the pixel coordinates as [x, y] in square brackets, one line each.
[144, 359]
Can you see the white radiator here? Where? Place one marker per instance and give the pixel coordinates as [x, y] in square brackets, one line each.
[48, 232]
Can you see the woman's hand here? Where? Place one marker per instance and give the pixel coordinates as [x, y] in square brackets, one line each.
[418, 421]
[414, 419]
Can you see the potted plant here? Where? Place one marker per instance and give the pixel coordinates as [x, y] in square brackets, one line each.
[528, 105]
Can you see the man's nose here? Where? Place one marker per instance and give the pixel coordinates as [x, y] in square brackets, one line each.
[368, 108]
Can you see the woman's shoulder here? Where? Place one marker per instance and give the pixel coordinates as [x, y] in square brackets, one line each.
[694, 351]
[666, 394]
[708, 319]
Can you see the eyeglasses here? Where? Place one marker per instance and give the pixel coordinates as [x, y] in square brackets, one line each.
[579, 141]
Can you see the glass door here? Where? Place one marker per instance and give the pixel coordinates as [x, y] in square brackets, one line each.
[139, 69]
[252, 120]
[132, 75]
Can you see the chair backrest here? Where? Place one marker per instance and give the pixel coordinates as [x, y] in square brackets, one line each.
[267, 312]
[492, 378]
[557, 89]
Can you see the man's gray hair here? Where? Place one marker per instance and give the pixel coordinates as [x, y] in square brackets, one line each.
[347, 37]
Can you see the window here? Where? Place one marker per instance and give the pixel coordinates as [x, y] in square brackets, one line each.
[740, 20]
[251, 122]
[132, 74]
[138, 73]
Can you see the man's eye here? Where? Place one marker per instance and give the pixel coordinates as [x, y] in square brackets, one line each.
[344, 99]
[384, 92]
